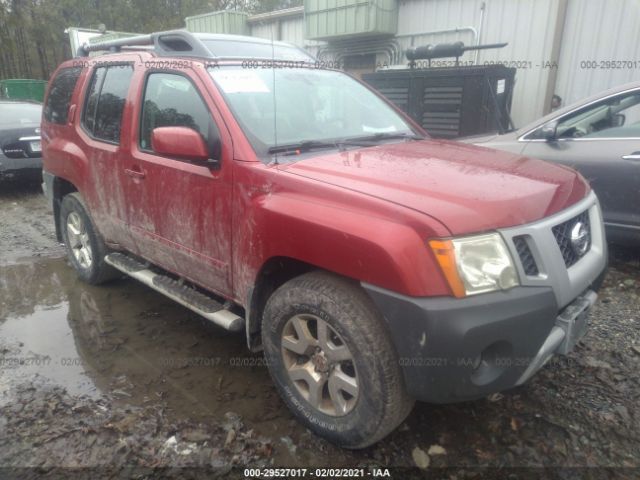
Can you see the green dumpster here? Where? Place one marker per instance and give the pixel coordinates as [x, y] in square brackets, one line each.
[23, 89]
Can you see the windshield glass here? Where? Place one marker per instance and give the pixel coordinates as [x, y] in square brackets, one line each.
[305, 105]
[17, 114]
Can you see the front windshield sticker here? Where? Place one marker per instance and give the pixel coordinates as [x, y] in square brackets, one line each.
[237, 81]
[389, 129]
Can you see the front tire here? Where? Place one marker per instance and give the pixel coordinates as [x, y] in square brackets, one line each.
[85, 248]
[333, 361]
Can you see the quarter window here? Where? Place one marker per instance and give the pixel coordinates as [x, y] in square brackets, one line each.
[60, 93]
[171, 100]
[105, 101]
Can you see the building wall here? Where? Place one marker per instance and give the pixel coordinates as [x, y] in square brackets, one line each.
[595, 31]
[292, 30]
[547, 40]
[527, 26]
[266, 29]
[288, 29]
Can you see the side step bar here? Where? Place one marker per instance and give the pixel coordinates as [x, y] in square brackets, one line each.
[192, 299]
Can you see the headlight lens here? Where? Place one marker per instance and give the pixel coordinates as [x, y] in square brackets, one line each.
[482, 264]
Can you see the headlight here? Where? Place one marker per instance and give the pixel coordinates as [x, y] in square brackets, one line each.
[476, 264]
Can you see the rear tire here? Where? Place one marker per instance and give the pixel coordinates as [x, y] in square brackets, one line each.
[333, 361]
[85, 247]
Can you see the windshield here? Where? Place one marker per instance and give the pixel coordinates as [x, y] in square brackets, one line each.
[17, 114]
[306, 105]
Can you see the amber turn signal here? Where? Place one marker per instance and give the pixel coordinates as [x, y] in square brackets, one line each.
[446, 257]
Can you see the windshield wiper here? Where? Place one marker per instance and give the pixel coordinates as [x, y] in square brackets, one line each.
[293, 148]
[307, 145]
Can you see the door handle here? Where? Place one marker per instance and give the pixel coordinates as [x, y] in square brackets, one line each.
[135, 173]
[71, 116]
[633, 156]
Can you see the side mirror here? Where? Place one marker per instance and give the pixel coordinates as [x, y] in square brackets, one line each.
[618, 120]
[549, 131]
[180, 142]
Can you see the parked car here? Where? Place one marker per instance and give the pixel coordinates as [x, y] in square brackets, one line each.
[20, 147]
[373, 266]
[600, 137]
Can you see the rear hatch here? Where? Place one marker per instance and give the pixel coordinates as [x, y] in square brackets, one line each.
[22, 142]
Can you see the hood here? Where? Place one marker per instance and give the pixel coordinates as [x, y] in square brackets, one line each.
[467, 188]
[476, 139]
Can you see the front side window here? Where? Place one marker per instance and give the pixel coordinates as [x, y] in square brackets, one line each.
[288, 106]
[615, 117]
[171, 100]
[621, 119]
[60, 93]
[105, 102]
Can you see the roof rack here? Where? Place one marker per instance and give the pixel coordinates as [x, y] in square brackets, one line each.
[163, 43]
[180, 43]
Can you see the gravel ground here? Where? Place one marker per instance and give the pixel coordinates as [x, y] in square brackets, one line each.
[122, 381]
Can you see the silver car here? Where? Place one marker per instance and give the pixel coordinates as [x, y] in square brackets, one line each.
[598, 136]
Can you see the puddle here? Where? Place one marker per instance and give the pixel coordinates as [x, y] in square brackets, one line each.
[37, 343]
[42, 345]
[132, 344]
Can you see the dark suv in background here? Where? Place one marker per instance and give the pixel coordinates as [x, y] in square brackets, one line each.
[20, 146]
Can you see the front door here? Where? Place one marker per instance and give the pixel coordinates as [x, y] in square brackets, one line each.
[180, 211]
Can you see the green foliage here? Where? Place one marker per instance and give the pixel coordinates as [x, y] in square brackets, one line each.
[32, 38]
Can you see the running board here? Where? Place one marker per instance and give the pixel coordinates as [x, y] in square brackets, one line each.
[192, 299]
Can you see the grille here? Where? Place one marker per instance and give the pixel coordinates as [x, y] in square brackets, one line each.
[526, 257]
[562, 233]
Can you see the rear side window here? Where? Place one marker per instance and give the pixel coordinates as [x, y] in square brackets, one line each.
[171, 100]
[105, 101]
[62, 87]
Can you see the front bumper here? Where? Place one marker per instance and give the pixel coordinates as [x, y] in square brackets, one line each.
[453, 350]
[10, 167]
[460, 349]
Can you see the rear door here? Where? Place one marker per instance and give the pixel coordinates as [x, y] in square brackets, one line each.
[602, 141]
[178, 210]
[106, 145]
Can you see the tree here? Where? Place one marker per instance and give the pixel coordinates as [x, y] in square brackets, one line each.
[32, 38]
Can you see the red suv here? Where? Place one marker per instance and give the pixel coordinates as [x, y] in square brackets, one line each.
[273, 196]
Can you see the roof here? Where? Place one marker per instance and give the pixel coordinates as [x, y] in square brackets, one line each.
[180, 43]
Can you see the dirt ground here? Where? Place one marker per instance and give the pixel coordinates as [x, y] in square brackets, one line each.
[119, 379]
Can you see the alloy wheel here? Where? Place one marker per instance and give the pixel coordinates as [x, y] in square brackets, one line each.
[78, 238]
[320, 364]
